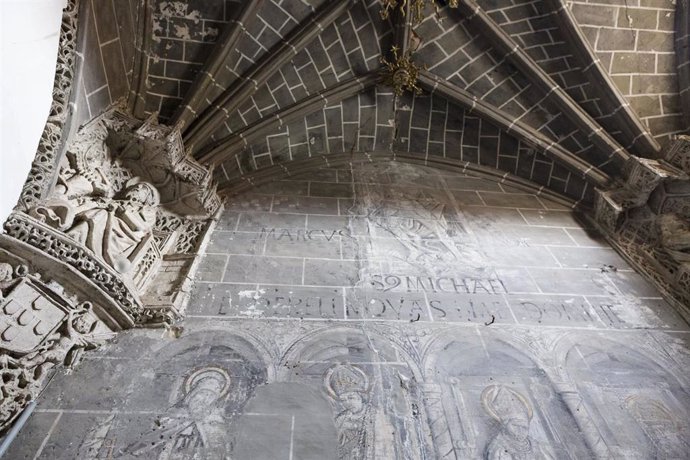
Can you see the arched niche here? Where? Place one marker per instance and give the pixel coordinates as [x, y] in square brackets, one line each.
[634, 395]
[366, 378]
[485, 397]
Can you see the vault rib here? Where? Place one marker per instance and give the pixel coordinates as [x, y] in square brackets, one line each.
[236, 95]
[638, 138]
[682, 47]
[518, 129]
[230, 146]
[232, 32]
[402, 20]
[137, 93]
[503, 43]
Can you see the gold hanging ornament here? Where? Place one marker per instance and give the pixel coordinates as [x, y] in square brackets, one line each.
[402, 73]
[416, 8]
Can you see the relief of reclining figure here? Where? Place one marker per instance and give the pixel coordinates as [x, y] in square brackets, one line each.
[113, 227]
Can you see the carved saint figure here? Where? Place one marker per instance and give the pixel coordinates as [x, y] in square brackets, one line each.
[514, 413]
[195, 428]
[348, 388]
[7, 278]
[113, 228]
[423, 228]
[667, 432]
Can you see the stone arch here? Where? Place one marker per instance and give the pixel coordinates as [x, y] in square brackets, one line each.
[392, 349]
[208, 375]
[242, 358]
[437, 349]
[645, 354]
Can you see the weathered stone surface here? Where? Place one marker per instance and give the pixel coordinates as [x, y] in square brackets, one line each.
[649, 219]
[413, 338]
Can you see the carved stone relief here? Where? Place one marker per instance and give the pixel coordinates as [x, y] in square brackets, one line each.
[349, 390]
[651, 408]
[121, 227]
[126, 201]
[196, 423]
[39, 329]
[477, 409]
[374, 398]
[257, 370]
[513, 412]
[52, 139]
[649, 219]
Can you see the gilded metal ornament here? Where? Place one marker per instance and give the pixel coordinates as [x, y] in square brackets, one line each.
[402, 73]
[416, 8]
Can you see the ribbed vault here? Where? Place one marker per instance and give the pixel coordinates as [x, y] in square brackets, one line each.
[514, 86]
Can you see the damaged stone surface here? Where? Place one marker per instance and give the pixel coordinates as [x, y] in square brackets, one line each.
[389, 311]
[649, 219]
[42, 325]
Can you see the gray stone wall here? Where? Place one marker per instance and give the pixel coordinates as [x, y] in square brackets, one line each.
[388, 311]
[107, 33]
[634, 41]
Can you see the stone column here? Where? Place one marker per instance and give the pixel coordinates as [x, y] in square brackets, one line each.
[572, 399]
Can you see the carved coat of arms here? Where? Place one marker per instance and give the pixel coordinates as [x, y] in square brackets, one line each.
[27, 316]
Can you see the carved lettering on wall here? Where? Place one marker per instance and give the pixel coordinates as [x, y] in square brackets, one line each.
[389, 282]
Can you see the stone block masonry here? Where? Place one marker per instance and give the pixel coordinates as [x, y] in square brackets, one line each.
[384, 310]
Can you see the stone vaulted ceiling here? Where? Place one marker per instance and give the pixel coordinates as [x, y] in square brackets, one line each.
[560, 96]
[161, 107]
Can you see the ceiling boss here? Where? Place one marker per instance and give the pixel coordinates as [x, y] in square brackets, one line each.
[400, 71]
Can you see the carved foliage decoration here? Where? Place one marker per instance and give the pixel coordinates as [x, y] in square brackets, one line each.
[44, 165]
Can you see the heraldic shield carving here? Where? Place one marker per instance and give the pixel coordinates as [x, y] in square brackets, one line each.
[27, 317]
[42, 325]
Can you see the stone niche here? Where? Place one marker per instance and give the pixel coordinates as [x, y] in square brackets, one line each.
[110, 247]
